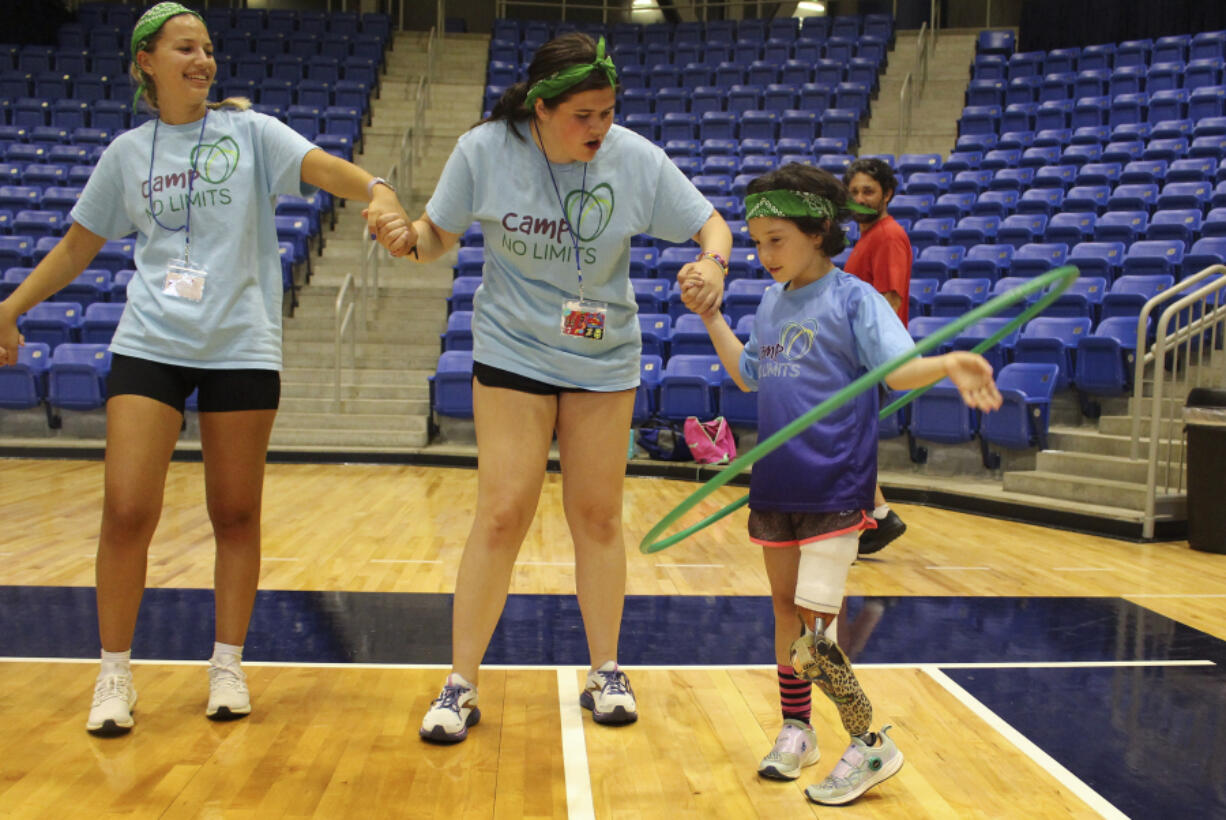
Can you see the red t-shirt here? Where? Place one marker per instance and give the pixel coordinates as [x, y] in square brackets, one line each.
[883, 258]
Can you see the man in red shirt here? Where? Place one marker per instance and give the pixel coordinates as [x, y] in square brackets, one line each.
[882, 257]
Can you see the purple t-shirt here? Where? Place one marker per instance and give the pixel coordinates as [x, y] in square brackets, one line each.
[806, 345]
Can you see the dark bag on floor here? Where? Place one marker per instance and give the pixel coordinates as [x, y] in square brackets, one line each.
[663, 440]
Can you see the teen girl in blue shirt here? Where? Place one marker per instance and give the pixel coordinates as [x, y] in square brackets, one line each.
[196, 184]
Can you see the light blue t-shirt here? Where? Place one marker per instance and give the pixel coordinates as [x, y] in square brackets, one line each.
[631, 187]
[805, 346]
[245, 159]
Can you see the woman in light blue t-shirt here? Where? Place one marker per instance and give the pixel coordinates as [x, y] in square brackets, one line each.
[203, 313]
[559, 191]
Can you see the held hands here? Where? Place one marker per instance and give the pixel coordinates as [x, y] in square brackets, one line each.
[972, 375]
[10, 339]
[388, 223]
[702, 286]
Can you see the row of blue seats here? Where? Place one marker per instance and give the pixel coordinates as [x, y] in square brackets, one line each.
[298, 220]
[697, 386]
[1094, 193]
[1097, 83]
[1191, 161]
[774, 50]
[714, 31]
[73, 377]
[840, 123]
[1177, 48]
[797, 73]
[1092, 134]
[1123, 109]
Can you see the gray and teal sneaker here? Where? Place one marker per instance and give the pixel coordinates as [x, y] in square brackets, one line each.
[861, 768]
[795, 748]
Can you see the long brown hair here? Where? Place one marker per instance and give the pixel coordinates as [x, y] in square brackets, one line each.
[559, 53]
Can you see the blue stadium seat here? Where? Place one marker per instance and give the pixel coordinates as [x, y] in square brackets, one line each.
[1021, 229]
[937, 263]
[986, 261]
[24, 385]
[1130, 292]
[452, 384]
[1105, 359]
[1001, 353]
[920, 296]
[463, 288]
[53, 323]
[930, 231]
[1042, 202]
[995, 203]
[954, 205]
[1053, 340]
[470, 261]
[690, 337]
[1083, 298]
[940, 415]
[1183, 224]
[458, 334]
[689, 387]
[1161, 257]
[77, 377]
[656, 332]
[100, 322]
[1022, 420]
[742, 296]
[972, 181]
[92, 285]
[646, 397]
[959, 296]
[1206, 251]
[1070, 228]
[975, 230]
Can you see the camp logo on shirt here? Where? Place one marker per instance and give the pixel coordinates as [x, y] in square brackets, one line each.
[795, 342]
[217, 162]
[548, 239]
[213, 163]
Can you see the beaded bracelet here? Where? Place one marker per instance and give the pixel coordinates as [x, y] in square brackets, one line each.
[716, 258]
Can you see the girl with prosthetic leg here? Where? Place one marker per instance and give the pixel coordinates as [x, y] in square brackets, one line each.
[816, 331]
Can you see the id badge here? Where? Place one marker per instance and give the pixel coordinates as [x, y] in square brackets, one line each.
[184, 280]
[584, 318]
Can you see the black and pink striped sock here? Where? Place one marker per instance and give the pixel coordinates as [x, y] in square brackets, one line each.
[795, 695]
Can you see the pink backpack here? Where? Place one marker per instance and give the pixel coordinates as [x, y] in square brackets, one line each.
[710, 442]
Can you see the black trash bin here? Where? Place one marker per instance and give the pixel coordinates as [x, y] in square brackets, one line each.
[1205, 418]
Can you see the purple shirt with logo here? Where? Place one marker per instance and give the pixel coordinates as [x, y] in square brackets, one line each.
[806, 345]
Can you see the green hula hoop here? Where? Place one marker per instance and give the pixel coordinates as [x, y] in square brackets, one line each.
[1054, 282]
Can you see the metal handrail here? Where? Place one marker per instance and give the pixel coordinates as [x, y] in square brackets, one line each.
[904, 113]
[1166, 341]
[342, 322]
[922, 48]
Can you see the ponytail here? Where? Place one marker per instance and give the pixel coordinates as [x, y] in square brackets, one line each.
[510, 107]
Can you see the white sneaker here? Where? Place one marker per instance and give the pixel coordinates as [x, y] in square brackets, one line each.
[452, 712]
[114, 700]
[861, 768]
[228, 695]
[795, 748]
[609, 696]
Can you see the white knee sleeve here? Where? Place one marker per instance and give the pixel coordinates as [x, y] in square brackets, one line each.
[822, 575]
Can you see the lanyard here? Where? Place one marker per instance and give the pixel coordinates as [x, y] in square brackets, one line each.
[574, 233]
[186, 227]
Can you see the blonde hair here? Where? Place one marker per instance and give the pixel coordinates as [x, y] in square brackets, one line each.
[149, 94]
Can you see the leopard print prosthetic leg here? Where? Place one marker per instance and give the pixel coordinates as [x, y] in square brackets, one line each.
[818, 659]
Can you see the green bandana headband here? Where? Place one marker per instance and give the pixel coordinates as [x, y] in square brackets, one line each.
[148, 25]
[556, 83]
[784, 204]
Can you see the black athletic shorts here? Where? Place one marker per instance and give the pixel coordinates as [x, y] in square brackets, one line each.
[220, 390]
[494, 377]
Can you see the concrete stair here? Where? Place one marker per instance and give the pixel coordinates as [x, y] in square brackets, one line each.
[934, 114]
[384, 394]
